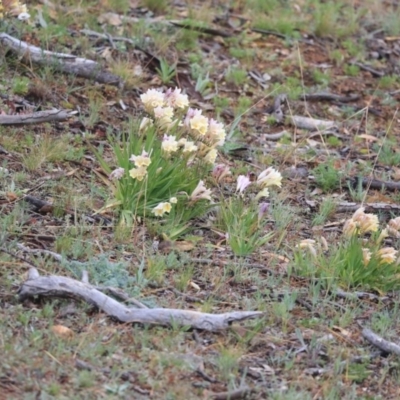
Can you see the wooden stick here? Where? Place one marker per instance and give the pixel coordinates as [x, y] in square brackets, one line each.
[59, 286]
[63, 62]
[384, 345]
[35, 118]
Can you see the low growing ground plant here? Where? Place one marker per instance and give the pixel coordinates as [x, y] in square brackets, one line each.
[358, 260]
[163, 160]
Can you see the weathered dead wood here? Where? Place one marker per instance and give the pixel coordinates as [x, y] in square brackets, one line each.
[376, 184]
[345, 206]
[236, 394]
[63, 62]
[59, 286]
[35, 118]
[326, 96]
[311, 124]
[380, 343]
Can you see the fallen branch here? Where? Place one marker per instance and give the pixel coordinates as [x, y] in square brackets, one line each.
[59, 286]
[311, 124]
[240, 393]
[345, 206]
[36, 117]
[382, 344]
[63, 62]
[326, 96]
[375, 184]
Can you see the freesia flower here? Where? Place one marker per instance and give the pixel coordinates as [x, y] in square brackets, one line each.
[23, 16]
[269, 177]
[263, 193]
[387, 255]
[216, 132]
[220, 171]
[176, 99]
[145, 123]
[349, 228]
[117, 174]
[163, 115]
[169, 144]
[211, 156]
[138, 173]
[141, 161]
[361, 223]
[393, 227]
[308, 244]
[262, 210]
[197, 122]
[161, 209]
[189, 147]
[151, 99]
[173, 200]
[200, 192]
[242, 182]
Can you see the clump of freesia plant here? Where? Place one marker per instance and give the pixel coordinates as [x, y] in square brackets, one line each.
[242, 217]
[14, 8]
[164, 161]
[359, 260]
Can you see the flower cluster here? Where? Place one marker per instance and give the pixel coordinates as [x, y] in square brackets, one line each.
[14, 8]
[141, 163]
[196, 133]
[267, 178]
[164, 207]
[360, 223]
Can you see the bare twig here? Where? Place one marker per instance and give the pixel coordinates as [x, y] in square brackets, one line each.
[59, 286]
[378, 341]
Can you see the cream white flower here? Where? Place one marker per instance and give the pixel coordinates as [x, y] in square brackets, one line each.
[173, 200]
[176, 99]
[197, 122]
[141, 161]
[163, 115]
[117, 174]
[138, 173]
[200, 192]
[161, 209]
[151, 99]
[169, 144]
[361, 223]
[349, 228]
[145, 123]
[308, 244]
[269, 177]
[211, 156]
[189, 147]
[220, 171]
[182, 141]
[387, 255]
[393, 227]
[263, 193]
[242, 182]
[23, 16]
[216, 132]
